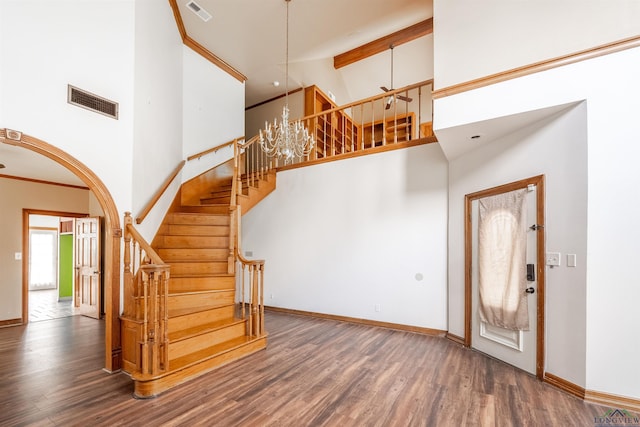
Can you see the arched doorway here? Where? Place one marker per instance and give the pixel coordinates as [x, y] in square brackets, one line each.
[113, 235]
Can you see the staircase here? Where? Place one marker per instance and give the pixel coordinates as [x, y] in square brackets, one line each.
[207, 323]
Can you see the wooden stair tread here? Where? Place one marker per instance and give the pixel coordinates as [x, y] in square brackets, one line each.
[202, 329]
[207, 353]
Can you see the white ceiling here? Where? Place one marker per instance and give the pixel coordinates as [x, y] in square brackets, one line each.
[250, 35]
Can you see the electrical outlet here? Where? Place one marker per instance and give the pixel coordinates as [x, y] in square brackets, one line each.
[553, 259]
[18, 256]
[377, 307]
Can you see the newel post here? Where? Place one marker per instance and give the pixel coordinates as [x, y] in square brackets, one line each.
[127, 274]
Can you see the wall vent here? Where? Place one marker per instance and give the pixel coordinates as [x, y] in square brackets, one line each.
[198, 10]
[88, 100]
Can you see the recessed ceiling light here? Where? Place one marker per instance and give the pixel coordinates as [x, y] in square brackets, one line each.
[276, 83]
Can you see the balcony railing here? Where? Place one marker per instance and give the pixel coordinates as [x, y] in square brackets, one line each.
[393, 119]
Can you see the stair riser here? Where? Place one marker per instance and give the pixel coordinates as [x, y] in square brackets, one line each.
[198, 268]
[215, 200]
[198, 219]
[197, 230]
[201, 318]
[195, 254]
[200, 342]
[200, 300]
[194, 242]
[191, 284]
[218, 210]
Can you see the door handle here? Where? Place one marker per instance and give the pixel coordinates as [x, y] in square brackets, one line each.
[530, 290]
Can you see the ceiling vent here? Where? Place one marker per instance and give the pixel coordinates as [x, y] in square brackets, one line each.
[84, 99]
[198, 10]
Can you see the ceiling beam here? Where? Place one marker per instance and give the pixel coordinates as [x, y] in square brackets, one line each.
[384, 43]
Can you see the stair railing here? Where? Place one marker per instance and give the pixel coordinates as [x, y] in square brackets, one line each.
[250, 279]
[394, 119]
[145, 315]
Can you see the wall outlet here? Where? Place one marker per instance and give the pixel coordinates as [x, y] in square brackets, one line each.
[553, 259]
[18, 256]
[377, 307]
[271, 296]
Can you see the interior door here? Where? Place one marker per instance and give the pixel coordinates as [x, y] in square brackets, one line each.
[87, 295]
[516, 347]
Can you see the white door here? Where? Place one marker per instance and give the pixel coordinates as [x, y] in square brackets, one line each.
[516, 347]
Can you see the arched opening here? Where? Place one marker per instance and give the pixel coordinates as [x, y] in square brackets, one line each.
[113, 235]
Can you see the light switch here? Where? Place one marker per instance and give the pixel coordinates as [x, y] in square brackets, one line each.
[571, 260]
[18, 256]
[553, 259]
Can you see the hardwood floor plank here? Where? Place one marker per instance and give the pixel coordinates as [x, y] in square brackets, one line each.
[314, 372]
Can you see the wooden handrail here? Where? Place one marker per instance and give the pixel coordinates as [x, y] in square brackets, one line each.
[145, 315]
[353, 129]
[370, 99]
[252, 280]
[159, 193]
[214, 149]
[154, 258]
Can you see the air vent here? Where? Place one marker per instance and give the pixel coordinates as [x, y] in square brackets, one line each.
[198, 10]
[84, 99]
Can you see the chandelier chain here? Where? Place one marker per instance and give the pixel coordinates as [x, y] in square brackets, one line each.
[288, 140]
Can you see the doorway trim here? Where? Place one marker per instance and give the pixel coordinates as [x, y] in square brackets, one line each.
[538, 181]
[26, 250]
[113, 235]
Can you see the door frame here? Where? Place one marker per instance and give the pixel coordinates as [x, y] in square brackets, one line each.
[25, 251]
[538, 181]
[112, 235]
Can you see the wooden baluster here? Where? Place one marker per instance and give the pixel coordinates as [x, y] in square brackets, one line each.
[261, 280]
[243, 290]
[255, 300]
[127, 277]
[164, 325]
[231, 259]
[153, 320]
[250, 323]
[144, 351]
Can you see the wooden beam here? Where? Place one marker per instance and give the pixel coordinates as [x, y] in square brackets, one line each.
[384, 43]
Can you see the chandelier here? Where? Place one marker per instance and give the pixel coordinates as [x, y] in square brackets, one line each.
[286, 139]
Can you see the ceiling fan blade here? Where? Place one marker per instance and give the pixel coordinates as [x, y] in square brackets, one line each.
[384, 88]
[404, 98]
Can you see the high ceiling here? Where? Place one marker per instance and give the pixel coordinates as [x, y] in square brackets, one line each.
[250, 36]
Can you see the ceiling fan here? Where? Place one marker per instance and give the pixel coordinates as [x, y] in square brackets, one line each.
[395, 97]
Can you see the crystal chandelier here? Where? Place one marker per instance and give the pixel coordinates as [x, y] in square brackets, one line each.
[286, 139]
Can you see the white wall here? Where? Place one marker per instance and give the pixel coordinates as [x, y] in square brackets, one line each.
[477, 38]
[213, 112]
[341, 237]
[609, 86]
[157, 148]
[89, 44]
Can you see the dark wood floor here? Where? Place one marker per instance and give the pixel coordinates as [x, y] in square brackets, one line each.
[315, 372]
